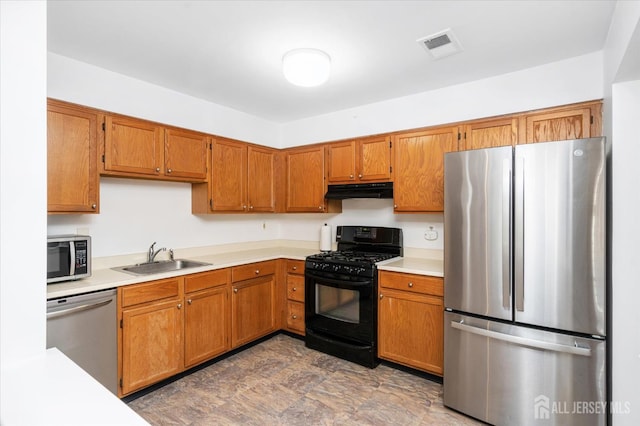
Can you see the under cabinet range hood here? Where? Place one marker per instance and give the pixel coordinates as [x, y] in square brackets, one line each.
[360, 190]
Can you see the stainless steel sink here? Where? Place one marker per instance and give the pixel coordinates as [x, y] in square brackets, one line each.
[159, 267]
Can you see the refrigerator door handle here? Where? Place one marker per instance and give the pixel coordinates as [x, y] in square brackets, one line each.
[519, 256]
[506, 233]
[523, 341]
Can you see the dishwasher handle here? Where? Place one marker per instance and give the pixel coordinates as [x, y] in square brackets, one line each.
[75, 309]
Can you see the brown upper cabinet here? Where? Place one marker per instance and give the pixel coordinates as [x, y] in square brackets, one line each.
[305, 181]
[243, 178]
[72, 161]
[143, 149]
[419, 168]
[562, 123]
[490, 133]
[362, 160]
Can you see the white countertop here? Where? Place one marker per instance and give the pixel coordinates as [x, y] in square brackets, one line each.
[103, 277]
[52, 390]
[414, 265]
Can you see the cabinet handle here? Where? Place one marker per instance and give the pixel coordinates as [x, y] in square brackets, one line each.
[235, 290]
[410, 284]
[158, 169]
[395, 206]
[295, 268]
[295, 288]
[319, 207]
[179, 305]
[189, 301]
[294, 316]
[250, 207]
[360, 175]
[381, 296]
[169, 170]
[257, 271]
[94, 206]
[350, 176]
[244, 207]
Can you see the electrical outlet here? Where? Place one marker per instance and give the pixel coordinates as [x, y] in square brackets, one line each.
[431, 234]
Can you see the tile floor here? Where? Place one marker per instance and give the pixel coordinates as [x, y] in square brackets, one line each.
[281, 382]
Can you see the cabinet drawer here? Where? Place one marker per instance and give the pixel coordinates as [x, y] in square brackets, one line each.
[150, 292]
[206, 280]
[411, 282]
[295, 287]
[253, 270]
[295, 267]
[295, 316]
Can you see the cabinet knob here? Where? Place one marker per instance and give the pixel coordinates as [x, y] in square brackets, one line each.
[295, 268]
[294, 316]
[395, 206]
[235, 290]
[244, 207]
[257, 271]
[158, 169]
[169, 170]
[295, 289]
[350, 176]
[189, 301]
[319, 207]
[179, 305]
[410, 284]
[250, 207]
[360, 175]
[94, 206]
[381, 296]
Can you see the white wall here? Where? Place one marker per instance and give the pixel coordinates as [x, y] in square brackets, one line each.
[23, 191]
[136, 213]
[564, 82]
[622, 110]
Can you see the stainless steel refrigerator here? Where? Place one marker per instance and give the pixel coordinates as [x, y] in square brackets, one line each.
[524, 283]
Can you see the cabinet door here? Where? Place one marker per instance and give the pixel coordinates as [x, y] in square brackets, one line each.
[295, 317]
[133, 147]
[261, 174]
[556, 126]
[206, 317]
[72, 159]
[419, 169]
[253, 312]
[305, 180]
[374, 159]
[410, 329]
[341, 162]
[151, 344]
[185, 154]
[228, 178]
[490, 134]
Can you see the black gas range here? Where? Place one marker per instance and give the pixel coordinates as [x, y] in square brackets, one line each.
[341, 292]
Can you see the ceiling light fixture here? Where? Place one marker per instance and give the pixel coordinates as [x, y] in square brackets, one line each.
[306, 67]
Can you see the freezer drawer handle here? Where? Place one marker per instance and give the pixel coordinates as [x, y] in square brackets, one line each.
[536, 344]
[80, 308]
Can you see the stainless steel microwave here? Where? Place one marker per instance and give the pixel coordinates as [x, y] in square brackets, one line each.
[68, 257]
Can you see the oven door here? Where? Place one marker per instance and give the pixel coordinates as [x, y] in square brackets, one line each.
[340, 306]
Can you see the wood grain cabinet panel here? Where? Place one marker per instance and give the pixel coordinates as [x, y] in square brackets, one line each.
[305, 180]
[261, 178]
[144, 149]
[72, 158]
[253, 312]
[490, 134]
[151, 344]
[419, 169]
[362, 160]
[295, 317]
[229, 176]
[206, 323]
[561, 125]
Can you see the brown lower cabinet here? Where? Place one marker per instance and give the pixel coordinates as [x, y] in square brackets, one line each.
[295, 296]
[411, 320]
[167, 326]
[253, 302]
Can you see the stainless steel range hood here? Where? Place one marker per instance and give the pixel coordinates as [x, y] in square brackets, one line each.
[360, 190]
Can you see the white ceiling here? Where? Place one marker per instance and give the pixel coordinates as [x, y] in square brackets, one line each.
[229, 52]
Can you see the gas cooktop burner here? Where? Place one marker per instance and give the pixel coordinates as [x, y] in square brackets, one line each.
[352, 257]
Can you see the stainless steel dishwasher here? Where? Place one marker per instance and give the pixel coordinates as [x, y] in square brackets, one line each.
[84, 328]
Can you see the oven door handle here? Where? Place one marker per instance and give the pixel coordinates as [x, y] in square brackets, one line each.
[340, 283]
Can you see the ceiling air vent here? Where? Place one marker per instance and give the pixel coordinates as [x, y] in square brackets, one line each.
[441, 44]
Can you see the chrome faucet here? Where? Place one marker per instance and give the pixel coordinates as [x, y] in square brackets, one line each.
[151, 254]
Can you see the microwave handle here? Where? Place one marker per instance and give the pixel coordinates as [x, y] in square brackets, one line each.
[72, 258]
